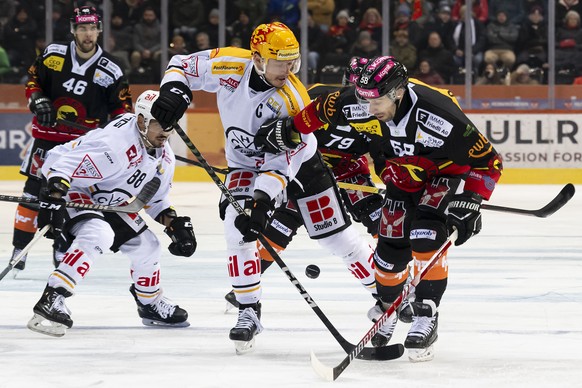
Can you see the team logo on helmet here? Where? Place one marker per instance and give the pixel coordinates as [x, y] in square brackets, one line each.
[275, 41]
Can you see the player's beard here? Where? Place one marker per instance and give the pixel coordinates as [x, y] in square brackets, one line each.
[86, 46]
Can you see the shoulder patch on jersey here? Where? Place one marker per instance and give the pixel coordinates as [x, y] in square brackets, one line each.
[428, 140]
[87, 169]
[373, 127]
[110, 66]
[355, 111]
[190, 65]
[54, 62]
[237, 68]
[102, 79]
[434, 122]
[56, 49]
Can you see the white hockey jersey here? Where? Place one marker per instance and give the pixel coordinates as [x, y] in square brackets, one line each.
[109, 166]
[227, 72]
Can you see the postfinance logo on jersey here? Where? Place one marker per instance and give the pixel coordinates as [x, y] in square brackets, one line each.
[228, 68]
[372, 126]
[54, 63]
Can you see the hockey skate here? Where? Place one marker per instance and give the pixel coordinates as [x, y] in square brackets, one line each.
[51, 307]
[231, 301]
[384, 333]
[246, 328]
[423, 332]
[163, 312]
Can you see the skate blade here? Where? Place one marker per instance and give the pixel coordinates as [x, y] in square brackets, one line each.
[229, 306]
[15, 273]
[421, 355]
[154, 323]
[244, 347]
[54, 329]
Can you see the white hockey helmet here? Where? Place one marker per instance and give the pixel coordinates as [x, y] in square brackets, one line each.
[143, 106]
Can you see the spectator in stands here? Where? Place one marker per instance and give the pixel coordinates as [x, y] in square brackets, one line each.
[202, 41]
[322, 12]
[8, 73]
[490, 76]
[529, 4]
[365, 46]
[442, 24]
[533, 37]
[187, 17]
[477, 44]
[514, 10]
[7, 10]
[426, 74]
[255, 9]
[440, 58]
[211, 27]
[178, 46]
[285, 11]
[480, 10]
[242, 29]
[338, 41]
[521, 76]
[422, 11]
[501, 39]
[562, 8]
[19, 36]
[568, 46]
[402, 49]
[122, 34]
[372, 22]
[61, 25]
[130, 10]
[146, 42]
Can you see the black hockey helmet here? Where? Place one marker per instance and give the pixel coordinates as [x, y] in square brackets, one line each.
[85, 15]
[381, 76]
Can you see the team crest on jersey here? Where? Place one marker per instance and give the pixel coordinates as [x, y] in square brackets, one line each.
[356, 111]
[102, 79]
[87, 169]
[54, 62]
[428, 140]
[134, 158]
[113, 197]
[242, 141]
[69, 109]
[434, 122]
[229, 84]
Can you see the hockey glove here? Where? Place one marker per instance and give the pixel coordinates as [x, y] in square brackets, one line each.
[169, 107]
[43, 109]
[277, 135]
[251, 227]
[465, 216]
[52, 209]
[182, 235]
[408, 173]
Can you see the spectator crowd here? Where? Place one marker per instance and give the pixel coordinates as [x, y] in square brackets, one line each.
[509, 38]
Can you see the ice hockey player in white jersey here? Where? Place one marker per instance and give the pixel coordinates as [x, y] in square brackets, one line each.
[110, 166]
[252, 88]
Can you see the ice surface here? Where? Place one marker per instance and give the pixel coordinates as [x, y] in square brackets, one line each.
[511, 317]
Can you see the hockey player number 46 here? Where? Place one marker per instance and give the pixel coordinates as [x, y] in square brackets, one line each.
[77, 87]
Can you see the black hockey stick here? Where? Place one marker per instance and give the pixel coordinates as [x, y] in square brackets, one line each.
[23, 252]
[384, 353]
[219, 170]
[333, 373]
[550, 208]
[138, 203]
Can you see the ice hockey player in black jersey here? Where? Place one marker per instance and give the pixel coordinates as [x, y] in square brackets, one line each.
[437, 168]
[76, 82]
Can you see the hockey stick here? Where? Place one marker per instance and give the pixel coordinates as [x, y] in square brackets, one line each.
[331, 374]
[219, 170]
[23, 252]
[550, 208]
[384, 353]
[144, 196]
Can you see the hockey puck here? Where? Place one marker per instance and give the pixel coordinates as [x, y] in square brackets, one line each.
[312, 271]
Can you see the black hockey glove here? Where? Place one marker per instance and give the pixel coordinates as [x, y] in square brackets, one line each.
[43, 109]
[465, 216]
[52, 209]
[174, 99]
[277, 135]
[182, 235]
[254, 225]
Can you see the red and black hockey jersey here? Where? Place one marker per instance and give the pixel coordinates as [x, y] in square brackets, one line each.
[82, 92]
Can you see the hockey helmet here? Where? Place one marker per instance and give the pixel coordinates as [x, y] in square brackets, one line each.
[276, 41]
[381, 76]
[85, 15]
